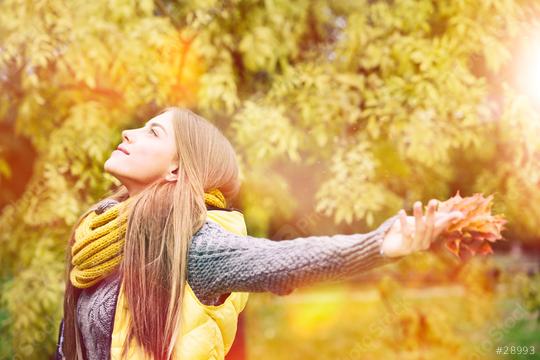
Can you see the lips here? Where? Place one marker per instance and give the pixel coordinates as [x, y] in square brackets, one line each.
[122, 149]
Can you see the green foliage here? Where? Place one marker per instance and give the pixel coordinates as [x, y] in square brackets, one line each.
[395, 102]
[31, 299]
[527, 286]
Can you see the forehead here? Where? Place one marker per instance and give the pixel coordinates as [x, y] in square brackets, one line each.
[163, 119]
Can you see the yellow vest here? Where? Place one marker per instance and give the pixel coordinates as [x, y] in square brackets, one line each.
[207, 331]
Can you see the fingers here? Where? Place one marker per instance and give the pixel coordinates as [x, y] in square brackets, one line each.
[444, 221]
[419, 225]
[430, 223]
[405, 231]
[426, 228]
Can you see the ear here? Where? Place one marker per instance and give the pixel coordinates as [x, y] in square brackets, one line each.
[172, 173]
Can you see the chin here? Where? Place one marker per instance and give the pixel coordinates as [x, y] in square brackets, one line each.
[117, 171]
[109, 167]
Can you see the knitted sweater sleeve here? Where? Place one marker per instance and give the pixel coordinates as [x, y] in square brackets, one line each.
[220, 262]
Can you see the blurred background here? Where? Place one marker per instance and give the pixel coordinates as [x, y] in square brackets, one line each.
[341, 112]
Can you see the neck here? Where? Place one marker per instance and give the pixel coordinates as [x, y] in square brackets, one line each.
[133, 187]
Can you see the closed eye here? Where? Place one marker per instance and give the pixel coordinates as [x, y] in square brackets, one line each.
[153, 131]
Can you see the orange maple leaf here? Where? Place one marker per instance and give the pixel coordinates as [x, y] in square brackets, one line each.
[472, 234]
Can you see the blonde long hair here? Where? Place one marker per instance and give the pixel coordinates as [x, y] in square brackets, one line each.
[161, 222]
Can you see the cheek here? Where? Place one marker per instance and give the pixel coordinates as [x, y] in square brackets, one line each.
[150, 164]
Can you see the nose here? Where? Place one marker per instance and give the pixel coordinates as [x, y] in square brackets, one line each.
[125, 136]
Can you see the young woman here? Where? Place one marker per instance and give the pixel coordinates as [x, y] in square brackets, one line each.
[161, 268]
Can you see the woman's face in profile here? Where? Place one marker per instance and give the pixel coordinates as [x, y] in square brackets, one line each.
[145, 155]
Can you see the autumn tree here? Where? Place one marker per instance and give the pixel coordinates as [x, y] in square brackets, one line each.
[382, 102]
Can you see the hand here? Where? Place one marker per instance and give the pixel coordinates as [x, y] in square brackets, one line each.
[416, 233]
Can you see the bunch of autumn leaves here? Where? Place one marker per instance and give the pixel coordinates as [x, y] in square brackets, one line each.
[476, 231]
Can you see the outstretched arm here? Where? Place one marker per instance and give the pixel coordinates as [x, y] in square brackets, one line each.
[221, 262]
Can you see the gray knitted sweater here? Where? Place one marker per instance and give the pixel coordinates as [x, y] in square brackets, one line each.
[220, 262]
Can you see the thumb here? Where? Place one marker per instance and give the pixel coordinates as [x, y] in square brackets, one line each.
[443, 221]
[457, 215]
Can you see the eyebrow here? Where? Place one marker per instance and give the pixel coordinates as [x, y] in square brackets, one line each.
[157, 124]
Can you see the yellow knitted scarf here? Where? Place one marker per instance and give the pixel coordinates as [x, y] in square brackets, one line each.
[99, 241]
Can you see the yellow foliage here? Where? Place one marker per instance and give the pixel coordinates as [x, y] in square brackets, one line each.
[392, 102]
